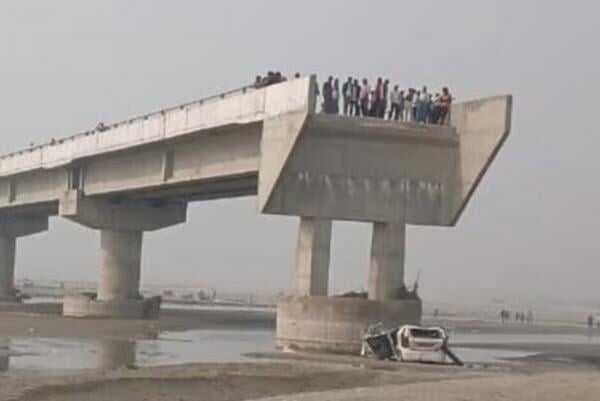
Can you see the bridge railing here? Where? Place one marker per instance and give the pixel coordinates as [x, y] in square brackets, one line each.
[147, 116]
[242, 105]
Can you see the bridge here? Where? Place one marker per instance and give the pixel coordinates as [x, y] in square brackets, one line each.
[139, 175]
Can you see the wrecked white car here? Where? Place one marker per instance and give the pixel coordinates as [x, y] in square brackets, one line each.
[409, 344]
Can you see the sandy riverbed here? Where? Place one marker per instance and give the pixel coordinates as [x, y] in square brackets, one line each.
[555, 372]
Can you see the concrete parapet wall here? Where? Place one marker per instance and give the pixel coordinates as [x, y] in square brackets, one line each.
[241, 107]
[82, 306]
[337, 324]
[483, 126]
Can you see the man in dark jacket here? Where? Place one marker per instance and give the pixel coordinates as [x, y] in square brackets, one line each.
[347, 94]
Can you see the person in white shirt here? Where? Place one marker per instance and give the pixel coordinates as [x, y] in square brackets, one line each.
[395, 99]
[364, 97]
[422, 106]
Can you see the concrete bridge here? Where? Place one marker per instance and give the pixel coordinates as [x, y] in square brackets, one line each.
[140, 174]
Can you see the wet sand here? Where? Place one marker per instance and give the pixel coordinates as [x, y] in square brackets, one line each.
[303, 380]
[555, 372]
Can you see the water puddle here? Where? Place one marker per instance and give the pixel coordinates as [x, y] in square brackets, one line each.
[65, 356]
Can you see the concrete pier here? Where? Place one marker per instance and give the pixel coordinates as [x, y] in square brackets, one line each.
[115, 354]
[7, 269]
[311, 320]
[120, 265]
[311, 276]
[386, 276]
[12, 228]
[121, 226]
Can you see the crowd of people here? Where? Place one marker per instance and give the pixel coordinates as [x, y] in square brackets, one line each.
[360, 98]
[591, 321]
[363, 99]
[520, 317]
[271, 78]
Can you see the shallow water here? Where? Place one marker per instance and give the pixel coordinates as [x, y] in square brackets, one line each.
[64, 356]
[67, 356]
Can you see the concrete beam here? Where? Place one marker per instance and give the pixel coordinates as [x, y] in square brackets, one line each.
[311, 276]
[127, 216]
[21, 226]
[386, 276]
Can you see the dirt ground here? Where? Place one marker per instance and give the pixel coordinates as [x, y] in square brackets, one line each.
[310, 381]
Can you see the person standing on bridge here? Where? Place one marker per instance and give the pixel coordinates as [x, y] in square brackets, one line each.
[408, 104]
[422, 106]
[445, 103]
[335, 97]
[347, 94]
[327, 95]
[355, 99]
[415, 106]
[395, 99]
[365, 91]
[384, 99]
[377, 100]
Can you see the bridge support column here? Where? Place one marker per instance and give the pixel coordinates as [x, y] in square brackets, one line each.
[121, 226]
[311, 276]
[7, 269]
[386, 276]
[120, 266]
[10, 229]
[310, 320]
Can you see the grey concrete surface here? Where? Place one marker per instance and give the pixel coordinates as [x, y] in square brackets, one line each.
[103, 214]
[7, 269]
[336, 324]
[121, 258]
[386, 275]
[12, 227]
[84, 306]
[311, 276]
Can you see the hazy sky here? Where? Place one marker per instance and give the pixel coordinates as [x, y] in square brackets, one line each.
[530, 231]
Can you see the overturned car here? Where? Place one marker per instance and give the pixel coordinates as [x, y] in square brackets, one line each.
[409, 344]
